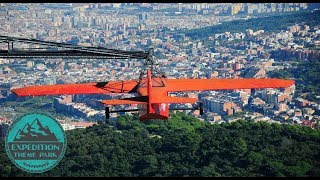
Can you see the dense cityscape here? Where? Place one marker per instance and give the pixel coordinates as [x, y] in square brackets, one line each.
[140, 26]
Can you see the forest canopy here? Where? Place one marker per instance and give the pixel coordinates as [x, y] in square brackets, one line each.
[306, 75]
[184, 146]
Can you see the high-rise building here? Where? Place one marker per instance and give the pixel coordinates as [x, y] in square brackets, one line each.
[30, 64]
[180, 7]
[235, 9]
[142, 17]
[116, 5]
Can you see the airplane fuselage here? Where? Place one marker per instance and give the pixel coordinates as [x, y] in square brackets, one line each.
[153, 110]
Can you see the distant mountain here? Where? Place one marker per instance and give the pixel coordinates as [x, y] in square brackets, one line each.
[35, 132]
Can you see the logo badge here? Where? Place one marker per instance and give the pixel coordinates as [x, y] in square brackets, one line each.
[35, 142]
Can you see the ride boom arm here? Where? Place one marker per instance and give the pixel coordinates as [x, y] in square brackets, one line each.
[225, 84]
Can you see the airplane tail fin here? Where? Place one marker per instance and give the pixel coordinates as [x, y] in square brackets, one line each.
[149, 86]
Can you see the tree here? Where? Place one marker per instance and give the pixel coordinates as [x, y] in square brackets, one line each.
[184, 146]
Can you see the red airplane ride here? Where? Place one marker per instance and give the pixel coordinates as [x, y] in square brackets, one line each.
[153, 100]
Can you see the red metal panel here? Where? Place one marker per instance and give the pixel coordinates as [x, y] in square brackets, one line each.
[225, 84]
[149, 89]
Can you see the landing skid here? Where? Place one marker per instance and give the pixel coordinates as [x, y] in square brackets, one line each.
[198, 107]
[107, 111]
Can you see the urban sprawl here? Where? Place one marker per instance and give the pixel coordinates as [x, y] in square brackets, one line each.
[139, 26]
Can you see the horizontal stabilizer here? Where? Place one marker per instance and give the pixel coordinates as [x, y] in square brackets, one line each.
[133, 100]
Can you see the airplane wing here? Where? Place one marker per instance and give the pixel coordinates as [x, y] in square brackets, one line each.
[129, 86]
[175, 85]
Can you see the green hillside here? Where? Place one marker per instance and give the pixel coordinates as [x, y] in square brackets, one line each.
[268, 24]
[185, 146]
[306, 75]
